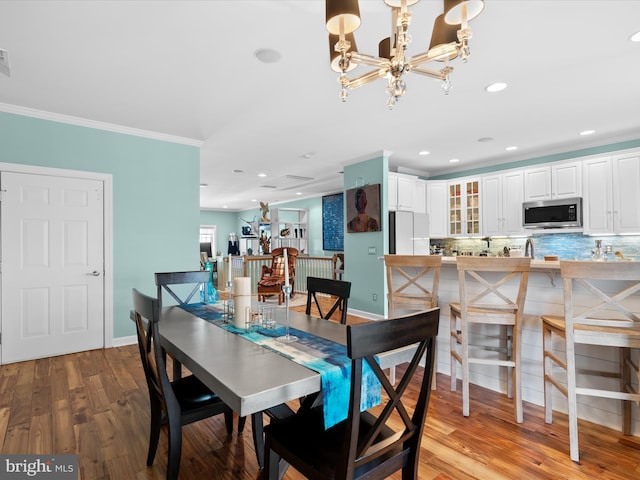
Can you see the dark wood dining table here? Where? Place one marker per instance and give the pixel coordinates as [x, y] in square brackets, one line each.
[248, 377]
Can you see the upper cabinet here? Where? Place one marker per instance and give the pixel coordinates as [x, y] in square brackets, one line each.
[563, 180]
[420, 196]
[464, 208]
[612, 195]
[406, 192]
[502, 196]
[437, 208]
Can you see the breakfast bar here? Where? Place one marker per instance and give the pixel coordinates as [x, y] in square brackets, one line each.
[544, 296]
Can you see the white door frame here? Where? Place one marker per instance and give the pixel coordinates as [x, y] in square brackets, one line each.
[107, 180]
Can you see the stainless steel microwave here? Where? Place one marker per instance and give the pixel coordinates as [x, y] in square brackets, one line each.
[563, 213]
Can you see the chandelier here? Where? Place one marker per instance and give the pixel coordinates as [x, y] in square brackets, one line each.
[449, 40]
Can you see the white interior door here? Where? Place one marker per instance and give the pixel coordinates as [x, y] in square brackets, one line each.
[52, 265]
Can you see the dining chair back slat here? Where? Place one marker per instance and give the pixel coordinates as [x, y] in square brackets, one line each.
[167, 281]
[339, 290]
[372, 444]
[175, 403]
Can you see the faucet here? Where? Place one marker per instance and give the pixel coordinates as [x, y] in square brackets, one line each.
[529, 243]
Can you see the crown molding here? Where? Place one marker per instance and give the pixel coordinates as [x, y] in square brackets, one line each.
[110, 127]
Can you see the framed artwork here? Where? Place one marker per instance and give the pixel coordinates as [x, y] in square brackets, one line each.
[363, 209]
[333, 222]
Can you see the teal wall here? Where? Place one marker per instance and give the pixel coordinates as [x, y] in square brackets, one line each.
[155, 196]
[365, 272]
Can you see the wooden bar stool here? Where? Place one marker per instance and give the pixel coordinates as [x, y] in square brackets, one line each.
[601, 307]
[492, 292]
[415, 288]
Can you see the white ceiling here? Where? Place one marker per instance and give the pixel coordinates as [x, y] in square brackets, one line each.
[187, 69]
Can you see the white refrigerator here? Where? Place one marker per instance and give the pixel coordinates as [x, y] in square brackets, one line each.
[408, 233]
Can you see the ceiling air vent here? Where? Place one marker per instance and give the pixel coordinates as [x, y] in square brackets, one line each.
[268, 186]
[299, 178]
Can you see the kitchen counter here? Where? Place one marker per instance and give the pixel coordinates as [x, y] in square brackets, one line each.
[536, 264]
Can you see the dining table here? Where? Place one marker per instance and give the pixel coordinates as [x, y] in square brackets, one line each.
[248, 377]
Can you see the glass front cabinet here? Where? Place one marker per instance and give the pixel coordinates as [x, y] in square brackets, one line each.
[464, 208]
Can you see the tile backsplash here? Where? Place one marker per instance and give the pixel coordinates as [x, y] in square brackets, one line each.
[567, 246]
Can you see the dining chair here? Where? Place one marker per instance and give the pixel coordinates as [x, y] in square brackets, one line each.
[412, 285]
[339, 291]
[371, 444]
[492, 292]
[176, 403]
[170, 283]
[593, 315]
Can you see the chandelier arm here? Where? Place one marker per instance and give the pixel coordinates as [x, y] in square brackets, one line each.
[429, 73]
[366, 78]
[426, 57]
[363, 59]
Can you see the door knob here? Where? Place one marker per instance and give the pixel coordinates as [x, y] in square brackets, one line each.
[95, 273]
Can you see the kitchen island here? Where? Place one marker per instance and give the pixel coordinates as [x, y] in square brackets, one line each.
[544, 295]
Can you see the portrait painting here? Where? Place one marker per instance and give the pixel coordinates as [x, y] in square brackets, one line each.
[363, 209]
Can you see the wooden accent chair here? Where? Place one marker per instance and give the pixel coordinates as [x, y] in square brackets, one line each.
[339, 291]
[169, 283]
[594, 314]
[175, 403]
[272, 279]
[372, 444]
[488, 297]
[415, 288]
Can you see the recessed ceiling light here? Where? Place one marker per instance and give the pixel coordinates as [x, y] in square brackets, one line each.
[635, 37]
[225, 206]
[511, 148]
[298, 193]
[454, 160]
[262, 174]
[485, 139]
[423, 152]
[308, 155]
[204, 185]
[254, 200]
[267, 55]
[495, 87]
[587, 132]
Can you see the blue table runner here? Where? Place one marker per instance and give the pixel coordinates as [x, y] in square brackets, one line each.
[327, 358]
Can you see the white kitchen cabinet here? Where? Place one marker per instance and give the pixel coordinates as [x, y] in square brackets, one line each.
[437, 209]
[420, 196]
[464, 208]
[562, 180]
[612, 195]
[406, 190]
[393, 191]
[402, 193]
[502, 196]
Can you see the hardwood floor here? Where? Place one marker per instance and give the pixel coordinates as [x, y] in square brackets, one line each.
[96, 404]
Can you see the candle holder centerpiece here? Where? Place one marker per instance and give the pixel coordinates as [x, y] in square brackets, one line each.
[287, 337]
